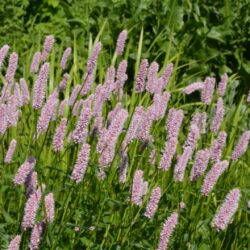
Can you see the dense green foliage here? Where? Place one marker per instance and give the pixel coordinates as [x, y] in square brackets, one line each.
[211, 36]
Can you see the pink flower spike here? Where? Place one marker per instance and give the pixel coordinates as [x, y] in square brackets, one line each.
[87, 83]
[168, 154]
[59, 135]
[212, 176]
[12, 66]
[47, 46]
[49, 207]
[166, 75]
[242, 145]
[193, 87]
[123, 168]
[3, 53]
[227, 210]
[81, 163]
[40, 86]
[141, 76]
[30, 210]
[208, 90]
[24, 92]
[200, 164]
[3, 118]
[35, 237]
[222, 85]
[219, 114]
[173, 122]
[35, 62]
[153, 203]
[66, 55]
[63, 83]
[203, 122]
[217, 146]
[74, 94]
[152, 77]
[24, 170]
[168, 228]
[18, 95]
[10, 152]
[93, 58]
[137, 188]
[15, 243]
[121, 42]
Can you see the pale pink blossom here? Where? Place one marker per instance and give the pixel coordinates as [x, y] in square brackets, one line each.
[222, 85]
[3, 53]
[138, 188]
[166, 75]
[121, 42]
[87, 83]
[200, 164]
[93, 58]
[30, 210]
[10, 152]
[227, 210]
[15, 243]
[167, 230]
[35, 237]
[219, 114]
[74, 94]
[12, 66]
[208, 90]
[217, 146]
[59, 135]
[47, 46]
[63, 82]
[203, 122]
[153, 203]
[141, 76]
[24, 92]
[212, 176]
[66, 55]
[173, 122]
[81, 163]
[3, 118]
[242, 145]
[152, 78]
[35, 62]
[193, 87]
[49, 207]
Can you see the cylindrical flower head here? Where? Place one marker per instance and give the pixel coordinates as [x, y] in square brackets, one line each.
[200, 164]
[219, 114]
[217, 146]
[35, 62]
[208, 90]
[121, 77]
[49, 207]
[168, 154]
[15, 243]
[141, 76]
[47, 114]
[168, 228]
[24, 170]
[18, 95]
[152, 78]
[77, 108]
[31, 183]
[93, 58]
[212, 177]
[24, 91]
[180, 167]
[12, 112]
[10, 152]
[59, 135]
[123, 168]
[193, 136]
[63, 82]
[166, 75]
[153, 203]
[87, 83]
[173, 122]
[30, 210]
[81, 163]
[242, 145]
[222, 85]
[74, 94]
[40, 86]
[66, 55]
[121, 42]
[81, 131]
[62, 107]
[227, 210]
[47, 46]
[35, 237]
[12, 66]
[193, 87]
[3, 53]
[137, 188]
[3, 118]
